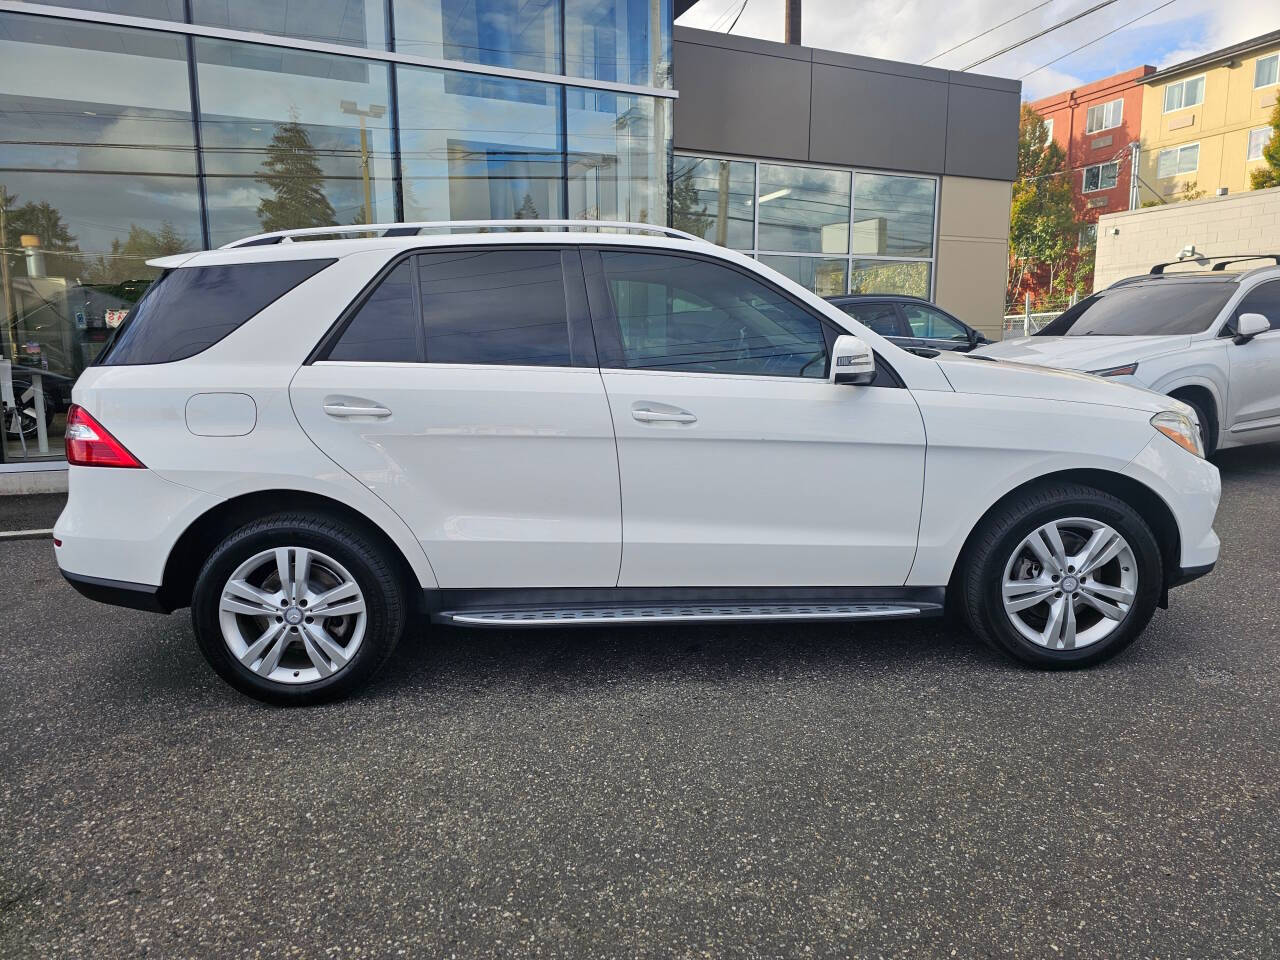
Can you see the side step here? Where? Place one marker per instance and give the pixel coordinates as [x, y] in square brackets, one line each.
[683, 613]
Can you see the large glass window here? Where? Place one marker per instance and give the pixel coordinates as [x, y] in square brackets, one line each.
[803, 209]
[617, 151]
[622, 41]
[521, 34]
[361, 23]
[681, 313]
[890, 276]
[155, 9]
[714, 199]
[893, 216]
[292, 139]
[477, 148]
[825, 276]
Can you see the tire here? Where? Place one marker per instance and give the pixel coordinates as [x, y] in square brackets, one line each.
[1208, 424]
[1003, 545]
[365, 619]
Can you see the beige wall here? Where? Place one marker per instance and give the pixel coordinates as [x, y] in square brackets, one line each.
[973, 251]
[1129, 243]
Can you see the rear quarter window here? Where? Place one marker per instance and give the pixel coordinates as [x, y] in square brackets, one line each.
[189, 309]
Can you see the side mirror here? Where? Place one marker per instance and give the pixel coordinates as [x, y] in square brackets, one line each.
[852, 362]
[1249, 325]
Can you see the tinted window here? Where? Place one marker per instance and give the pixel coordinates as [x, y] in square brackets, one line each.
[190, 309]
[1263, 299]
[495, 306]
[1151, 308]
[879, 317]
[679, 313]
[933, 324]
[385, 327]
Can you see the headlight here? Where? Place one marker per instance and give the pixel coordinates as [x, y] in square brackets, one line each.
[1181, 429]
[1128, 370]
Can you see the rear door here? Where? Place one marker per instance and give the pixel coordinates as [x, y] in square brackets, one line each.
[1253, 397]
[741, 464]
[462, 389]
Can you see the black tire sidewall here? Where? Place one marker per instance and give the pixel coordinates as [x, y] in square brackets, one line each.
[1150, 574]
[1210, 432]
[382, 594]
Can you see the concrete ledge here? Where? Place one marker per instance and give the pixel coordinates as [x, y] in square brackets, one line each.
[23, 478]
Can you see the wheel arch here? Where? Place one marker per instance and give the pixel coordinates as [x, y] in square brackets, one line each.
[1147, 502]
[210, 528]
[1207, 398]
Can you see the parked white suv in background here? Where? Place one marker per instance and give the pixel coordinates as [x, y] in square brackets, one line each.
[1209, 338]
[313, 444]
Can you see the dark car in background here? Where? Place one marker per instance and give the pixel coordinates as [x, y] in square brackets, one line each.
[911, 322]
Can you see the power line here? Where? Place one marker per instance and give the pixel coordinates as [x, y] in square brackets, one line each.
[979, 36]
[1127, 23]
[741, 11]
[722, 17]
[1036, 36]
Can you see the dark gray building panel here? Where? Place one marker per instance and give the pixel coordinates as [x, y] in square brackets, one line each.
[756, 98]
[745, 103]
[982, 132]
[871, 119]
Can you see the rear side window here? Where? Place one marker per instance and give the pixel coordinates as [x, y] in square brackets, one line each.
[385, 328]
[189, 309]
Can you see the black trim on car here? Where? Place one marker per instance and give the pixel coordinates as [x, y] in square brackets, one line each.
[1184, 575]
[119, 593]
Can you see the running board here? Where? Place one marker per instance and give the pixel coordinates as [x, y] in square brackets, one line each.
[683, 613]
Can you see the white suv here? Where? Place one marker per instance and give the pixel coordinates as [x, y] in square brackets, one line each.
[1210, 339]
[315, 444]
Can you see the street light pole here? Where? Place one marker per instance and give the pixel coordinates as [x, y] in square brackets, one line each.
[376, 111]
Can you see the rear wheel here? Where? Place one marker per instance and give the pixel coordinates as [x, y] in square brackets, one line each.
[297, 609]
[1064, 576]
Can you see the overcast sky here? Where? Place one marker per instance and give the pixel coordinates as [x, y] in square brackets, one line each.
[914, 30]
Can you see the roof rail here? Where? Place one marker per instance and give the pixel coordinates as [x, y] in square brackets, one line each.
[414, 228]
[1226, 258]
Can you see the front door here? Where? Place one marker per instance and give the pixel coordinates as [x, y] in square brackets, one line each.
[1253, 397]
[741, 464]
[464, 392]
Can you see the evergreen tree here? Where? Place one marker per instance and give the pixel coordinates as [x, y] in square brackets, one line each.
[295, 180]
[1269, 176]
[127, 260]
[687, 213]
[528, 210]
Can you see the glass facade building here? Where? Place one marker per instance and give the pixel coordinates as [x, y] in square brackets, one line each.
[135, 129]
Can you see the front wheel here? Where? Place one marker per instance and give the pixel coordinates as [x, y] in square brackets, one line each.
[297, 609]
[1064, 576]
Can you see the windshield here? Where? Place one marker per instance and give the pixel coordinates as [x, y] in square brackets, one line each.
[1144, 309]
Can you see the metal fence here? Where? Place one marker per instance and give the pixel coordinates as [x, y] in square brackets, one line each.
[1025, 324]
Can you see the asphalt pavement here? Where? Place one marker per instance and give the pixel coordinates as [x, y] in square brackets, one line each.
[728, 791]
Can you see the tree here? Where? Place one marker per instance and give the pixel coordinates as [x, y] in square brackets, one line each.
[1043, 229]
[687, 213]
[41, 219]
[295, 180]
[127, 260]
[1269, 176]
[528, 210]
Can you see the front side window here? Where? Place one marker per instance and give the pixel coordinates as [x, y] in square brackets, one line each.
[1104, 116]
[1263, 299]
[1265, 70]
[687, 314]
[1258, 140]
[932, 324]
[1178, 160]
[1184, 93]
[1102, 176]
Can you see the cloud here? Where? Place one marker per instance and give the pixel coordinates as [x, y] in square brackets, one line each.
[891, 29]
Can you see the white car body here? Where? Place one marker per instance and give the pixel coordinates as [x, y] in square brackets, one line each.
[492, 478]
[1238, 384]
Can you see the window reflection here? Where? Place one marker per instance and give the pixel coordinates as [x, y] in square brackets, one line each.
[803, 209]
[893, 216]
[476, 148]
[623, 41]
[361, 23]
[617, 156]
[521, 34]
[888, 276]
[713, 199]
[156, 9]
[825, 277]
[292, 139]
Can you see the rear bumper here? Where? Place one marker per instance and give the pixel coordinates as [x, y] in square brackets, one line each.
[119, 593]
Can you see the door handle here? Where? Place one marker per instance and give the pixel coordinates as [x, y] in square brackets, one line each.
[659, 416]
[354, 410]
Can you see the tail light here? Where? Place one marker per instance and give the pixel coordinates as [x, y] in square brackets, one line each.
[89, 444]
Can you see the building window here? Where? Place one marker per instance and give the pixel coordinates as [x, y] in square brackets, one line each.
[825, 276]
[1258, 140]
[617, 152]
[893, 216]
[804, 209]
[715, 199]
[1088, 237]
[1048, 132]
[888, 276]
[1265, 70]
[1104, 116]
[1184, 93]
[360, 23]
[1176, 160]
[1101, 176]
[621, 41]
[521, 34]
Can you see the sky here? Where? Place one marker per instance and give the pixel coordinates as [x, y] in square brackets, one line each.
[915, 30]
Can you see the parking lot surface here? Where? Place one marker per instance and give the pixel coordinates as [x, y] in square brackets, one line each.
[783, 791]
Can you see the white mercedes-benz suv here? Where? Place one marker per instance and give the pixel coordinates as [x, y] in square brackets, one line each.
[1209, 338]
[316, 444]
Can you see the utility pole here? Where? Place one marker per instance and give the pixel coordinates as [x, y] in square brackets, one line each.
[1135, 154]
[793, 22]
[377, 112]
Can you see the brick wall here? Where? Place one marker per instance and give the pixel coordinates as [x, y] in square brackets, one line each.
[1130, 242]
